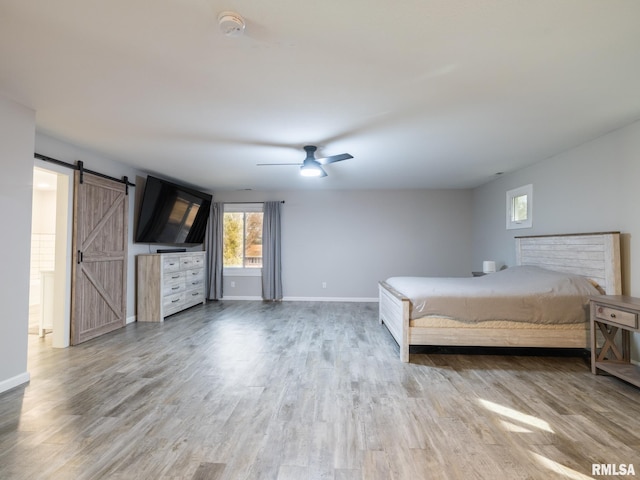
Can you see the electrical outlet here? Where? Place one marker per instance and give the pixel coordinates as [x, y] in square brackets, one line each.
[233, 284]
[324, 284]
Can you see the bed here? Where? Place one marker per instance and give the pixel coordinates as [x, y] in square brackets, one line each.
[585, 258]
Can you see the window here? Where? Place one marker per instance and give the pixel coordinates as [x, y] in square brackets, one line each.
[242, 252]
[519, 207]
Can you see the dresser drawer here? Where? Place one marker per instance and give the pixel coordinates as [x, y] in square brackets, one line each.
[173, 303]
[186, 262]
[614, 315]
[173, 277]
[193, 297]
[194, 283]
[198, 261]
[173, 287]
[196, 273]
[171, 264]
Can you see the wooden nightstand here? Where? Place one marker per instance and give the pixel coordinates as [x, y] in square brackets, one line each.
[610, 315]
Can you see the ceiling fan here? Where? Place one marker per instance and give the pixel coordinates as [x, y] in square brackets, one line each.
[312, 166]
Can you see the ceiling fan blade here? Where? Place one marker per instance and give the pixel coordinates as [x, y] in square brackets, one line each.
[276, 164]
[334, 158]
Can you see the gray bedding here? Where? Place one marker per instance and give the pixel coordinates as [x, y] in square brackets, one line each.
[521, 294]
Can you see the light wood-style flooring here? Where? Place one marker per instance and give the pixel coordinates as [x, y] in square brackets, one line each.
[306, 390]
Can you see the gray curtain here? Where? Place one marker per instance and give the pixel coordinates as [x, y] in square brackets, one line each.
[271, 265]
[214, 246]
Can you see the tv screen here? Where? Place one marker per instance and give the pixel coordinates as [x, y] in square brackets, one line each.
[172, 214]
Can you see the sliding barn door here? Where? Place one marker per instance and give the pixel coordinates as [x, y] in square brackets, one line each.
[99, 283]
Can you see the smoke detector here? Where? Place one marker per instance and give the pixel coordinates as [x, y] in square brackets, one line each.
[231, 24]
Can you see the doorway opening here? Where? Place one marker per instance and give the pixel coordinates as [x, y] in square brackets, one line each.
[50, 274]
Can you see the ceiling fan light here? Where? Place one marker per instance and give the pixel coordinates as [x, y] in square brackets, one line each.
[311, 171]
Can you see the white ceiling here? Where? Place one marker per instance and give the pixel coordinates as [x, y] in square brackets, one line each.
[423, 93]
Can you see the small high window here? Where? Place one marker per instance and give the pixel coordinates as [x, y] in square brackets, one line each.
[519, 207]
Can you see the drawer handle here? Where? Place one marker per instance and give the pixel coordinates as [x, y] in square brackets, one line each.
[175, 288]
[613, 315]
[176, 276]
[171, 264]
[195, 294]
[175, 301]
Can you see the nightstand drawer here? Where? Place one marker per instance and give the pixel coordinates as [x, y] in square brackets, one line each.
[614, 315]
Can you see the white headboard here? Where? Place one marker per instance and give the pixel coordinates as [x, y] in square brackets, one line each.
[593, 255]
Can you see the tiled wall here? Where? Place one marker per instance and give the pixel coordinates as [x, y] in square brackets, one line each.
[42, 258]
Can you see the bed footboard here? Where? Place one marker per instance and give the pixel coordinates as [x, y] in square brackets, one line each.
[394, 313]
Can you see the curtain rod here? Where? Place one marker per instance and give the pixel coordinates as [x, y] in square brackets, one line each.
[80, 167]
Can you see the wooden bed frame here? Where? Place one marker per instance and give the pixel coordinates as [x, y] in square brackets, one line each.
[594, 255]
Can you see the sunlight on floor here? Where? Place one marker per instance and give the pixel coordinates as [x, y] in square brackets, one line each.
[516, 416]
[537, 423]
[512, 427]
[561, 469]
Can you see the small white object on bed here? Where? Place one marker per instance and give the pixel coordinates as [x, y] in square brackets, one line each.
[534, 306]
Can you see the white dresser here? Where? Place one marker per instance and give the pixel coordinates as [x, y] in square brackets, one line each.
[168, 283]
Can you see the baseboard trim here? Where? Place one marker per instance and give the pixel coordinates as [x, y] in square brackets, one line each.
[309, 299]
[131, 319]
[14, 382]
[330, 299]
[240, 297]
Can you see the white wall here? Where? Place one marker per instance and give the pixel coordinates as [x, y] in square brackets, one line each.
[17, 129]
[353, 239]
[590, 188]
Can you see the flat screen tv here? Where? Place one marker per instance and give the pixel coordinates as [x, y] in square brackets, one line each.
[172, 214]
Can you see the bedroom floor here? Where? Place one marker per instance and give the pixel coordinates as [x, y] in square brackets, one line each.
[303, 390]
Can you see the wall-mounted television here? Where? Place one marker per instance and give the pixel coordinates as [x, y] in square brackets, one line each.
[172, 214]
